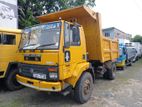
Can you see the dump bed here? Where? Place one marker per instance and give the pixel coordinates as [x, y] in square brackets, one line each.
[98, 47]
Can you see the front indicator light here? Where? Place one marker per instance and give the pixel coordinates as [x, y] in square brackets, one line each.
[52, 69]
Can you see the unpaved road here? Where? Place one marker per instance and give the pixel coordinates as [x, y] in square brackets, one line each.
[124, 91]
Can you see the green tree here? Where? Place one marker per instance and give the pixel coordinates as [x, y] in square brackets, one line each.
[29, 9]
[137, 38]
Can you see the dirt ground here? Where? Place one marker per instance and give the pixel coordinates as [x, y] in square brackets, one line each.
[124, 91]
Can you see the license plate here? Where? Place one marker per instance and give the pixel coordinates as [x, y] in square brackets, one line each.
[39, 76]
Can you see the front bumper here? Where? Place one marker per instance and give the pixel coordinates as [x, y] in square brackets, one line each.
[40, 85]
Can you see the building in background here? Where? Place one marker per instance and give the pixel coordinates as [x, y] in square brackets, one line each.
[8, 14]
[113, 33]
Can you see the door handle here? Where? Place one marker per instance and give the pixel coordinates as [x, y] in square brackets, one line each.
[67, 56]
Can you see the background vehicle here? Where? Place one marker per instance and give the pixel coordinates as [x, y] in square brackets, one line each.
[121, 61]
[131, 53]
[138, 47]
[65, 52]
[9, 41]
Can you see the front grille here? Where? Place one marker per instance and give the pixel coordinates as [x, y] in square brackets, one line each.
[32, 57]
[27, 70]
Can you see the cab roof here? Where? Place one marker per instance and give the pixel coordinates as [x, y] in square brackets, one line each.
[10, 30]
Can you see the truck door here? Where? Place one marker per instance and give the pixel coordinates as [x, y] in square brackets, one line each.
[73, 48]
[8, 49]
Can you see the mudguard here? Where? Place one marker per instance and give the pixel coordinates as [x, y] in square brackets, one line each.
[79, 69]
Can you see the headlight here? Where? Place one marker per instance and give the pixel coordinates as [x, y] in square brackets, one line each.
[53, 75]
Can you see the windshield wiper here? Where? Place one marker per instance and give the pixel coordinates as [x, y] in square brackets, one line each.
[45, 45]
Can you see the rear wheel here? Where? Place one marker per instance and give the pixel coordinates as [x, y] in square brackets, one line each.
[110, 74]
[84, 88]
[11, 82]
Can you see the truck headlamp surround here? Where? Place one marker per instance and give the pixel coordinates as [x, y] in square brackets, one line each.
[53, 75]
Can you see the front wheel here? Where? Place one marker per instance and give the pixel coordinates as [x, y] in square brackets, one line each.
[11, 82]
[84, 88]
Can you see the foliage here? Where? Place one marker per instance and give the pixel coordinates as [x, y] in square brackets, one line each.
[29, 9]
[137, 38]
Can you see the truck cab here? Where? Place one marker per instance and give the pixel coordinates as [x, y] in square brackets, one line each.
[9, 41]
[49, 48]
[131, 54]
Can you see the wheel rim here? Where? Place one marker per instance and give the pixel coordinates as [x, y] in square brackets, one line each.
[86, 87]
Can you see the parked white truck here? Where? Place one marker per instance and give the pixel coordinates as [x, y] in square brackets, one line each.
[138, 47]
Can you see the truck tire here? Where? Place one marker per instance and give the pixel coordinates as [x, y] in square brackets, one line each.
[110, 74]
[84, 88]
[11, 82]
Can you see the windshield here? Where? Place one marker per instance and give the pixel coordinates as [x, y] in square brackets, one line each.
[45, 36]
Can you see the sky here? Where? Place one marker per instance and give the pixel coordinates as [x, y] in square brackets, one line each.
[125, 15]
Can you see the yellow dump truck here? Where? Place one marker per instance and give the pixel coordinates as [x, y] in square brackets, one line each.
[65, 53]
[9, 41]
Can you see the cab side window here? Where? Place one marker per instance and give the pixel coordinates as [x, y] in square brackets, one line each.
[66, 34]
[8, 39]
[74, 36]
[71, 35]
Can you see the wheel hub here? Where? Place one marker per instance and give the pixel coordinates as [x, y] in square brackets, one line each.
[86, 87]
